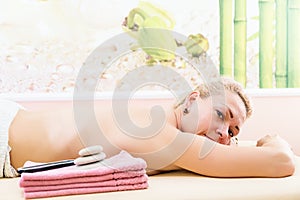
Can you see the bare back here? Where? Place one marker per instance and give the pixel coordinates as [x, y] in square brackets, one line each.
[50, 135]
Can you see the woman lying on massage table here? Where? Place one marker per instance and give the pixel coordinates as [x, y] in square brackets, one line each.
[198, 134]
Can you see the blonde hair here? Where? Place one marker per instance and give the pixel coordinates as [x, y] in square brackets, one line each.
[218, 86]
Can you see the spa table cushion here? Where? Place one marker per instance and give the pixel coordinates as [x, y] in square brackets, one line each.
[185, 185]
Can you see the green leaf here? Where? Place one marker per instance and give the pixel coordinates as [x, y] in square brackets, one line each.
[154, 22]
[196, 44]
[153, 10]
[253, 36]
[255, 18]
[157, 43]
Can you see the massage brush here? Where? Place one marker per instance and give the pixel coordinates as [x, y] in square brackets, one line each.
[87, 155]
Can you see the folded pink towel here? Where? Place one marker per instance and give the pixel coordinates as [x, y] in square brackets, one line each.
[87, 179]
[73, 191]
[109, 183]
[120, 172]
[122, 162]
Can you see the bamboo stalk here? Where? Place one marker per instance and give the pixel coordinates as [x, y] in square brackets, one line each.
[266, 39]
[281, 44]
[240, 38]
[293, 58]
[225, 37]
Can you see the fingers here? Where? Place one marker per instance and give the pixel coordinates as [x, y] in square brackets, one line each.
[265, 139]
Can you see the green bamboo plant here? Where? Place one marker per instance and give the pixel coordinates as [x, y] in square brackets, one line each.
[281, 44]
[240, 42]
[266, 40]
[293, 59]
[226, 37]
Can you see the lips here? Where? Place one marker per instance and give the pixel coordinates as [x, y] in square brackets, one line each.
[209, 137]
[216, 141]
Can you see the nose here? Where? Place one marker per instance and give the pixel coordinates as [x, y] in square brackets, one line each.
[223, 131]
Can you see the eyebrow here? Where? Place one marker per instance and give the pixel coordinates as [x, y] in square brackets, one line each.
[231, 115]
[230, 112]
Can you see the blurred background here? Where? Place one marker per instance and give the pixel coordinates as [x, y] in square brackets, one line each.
[44, 43]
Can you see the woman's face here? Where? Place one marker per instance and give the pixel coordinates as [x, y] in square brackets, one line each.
[218, 118]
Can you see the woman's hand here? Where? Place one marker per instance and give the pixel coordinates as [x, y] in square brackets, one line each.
[273, 141]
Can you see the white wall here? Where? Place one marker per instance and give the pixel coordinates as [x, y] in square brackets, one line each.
[275, 112]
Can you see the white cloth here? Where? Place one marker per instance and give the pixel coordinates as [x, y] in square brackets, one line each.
[8, 111]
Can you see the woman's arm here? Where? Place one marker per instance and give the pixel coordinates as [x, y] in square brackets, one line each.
[271, 158]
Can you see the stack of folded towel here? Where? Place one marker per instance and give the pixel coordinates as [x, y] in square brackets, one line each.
[117, 173]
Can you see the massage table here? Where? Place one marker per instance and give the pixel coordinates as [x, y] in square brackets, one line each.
[187, 185]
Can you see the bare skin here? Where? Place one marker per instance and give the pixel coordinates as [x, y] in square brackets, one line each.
[197, 141]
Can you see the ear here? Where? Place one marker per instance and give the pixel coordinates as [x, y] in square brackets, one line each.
[190, 99]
